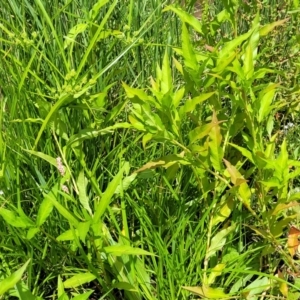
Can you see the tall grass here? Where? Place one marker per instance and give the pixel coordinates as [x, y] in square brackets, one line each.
[137, 158]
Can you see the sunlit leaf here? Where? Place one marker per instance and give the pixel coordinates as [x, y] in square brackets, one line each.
[186, 17]
[219, 240]
[83, 198]
[12, 219]
[118, 250]
[269, 27]
[190, 104]
[9, 282]
[215, 138]
[71, 36]
[207, 292]
[44, 211]
[79, 279]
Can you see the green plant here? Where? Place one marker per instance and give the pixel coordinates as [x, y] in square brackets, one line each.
[117, 190]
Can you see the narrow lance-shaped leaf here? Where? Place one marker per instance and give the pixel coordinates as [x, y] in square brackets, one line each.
[265, 102]
[83, 198]
[190, 104]
[118, 250]
[77, 29]
[207, 292]
[188, 52]
[107, 195]
[269, 27]
[166, 81]
[44, 211]
[218, 241]
[216, 151]
[232, 45]
[238, 180]
[12, 219]
[186, 17]
[9, 282]
[79, 279]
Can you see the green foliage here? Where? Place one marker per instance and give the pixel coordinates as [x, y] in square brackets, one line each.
[149, 153]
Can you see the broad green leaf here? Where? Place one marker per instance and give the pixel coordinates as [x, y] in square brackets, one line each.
[235, 176]
[238, 180]
[83, 198]
[278, 228]
[71, 36]
[265, 102]
[200, 132]
[215, 272]
[107, 195]
[32, 232]
[132, 92]
[83, 296]
[136, 124]
[126, 183]
[188, 52]
[190, 104]
[12, 219]
[64, 296]
[219, 240]
[9, 282]
[283, 157]
[207, 292]
[146, 138]
[68, 235]
[224, 211]
[260, 73]
[178, 95]
[223, 63]
[258, 286]
[186, 18]
[44, 211]
[83, 229]
[23, 293]
[232, 45]
[119, 250]
[244, 151]
[78, 279]
[178, 65]
[245, 193]
[269, 27]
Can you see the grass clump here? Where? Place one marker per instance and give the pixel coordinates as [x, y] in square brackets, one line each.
[149, 151]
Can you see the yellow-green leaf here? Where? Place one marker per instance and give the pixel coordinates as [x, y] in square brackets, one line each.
[269, 27]
[118, 250]
[9, 282]
[190, 104]
[79, 279]
[207, 292]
